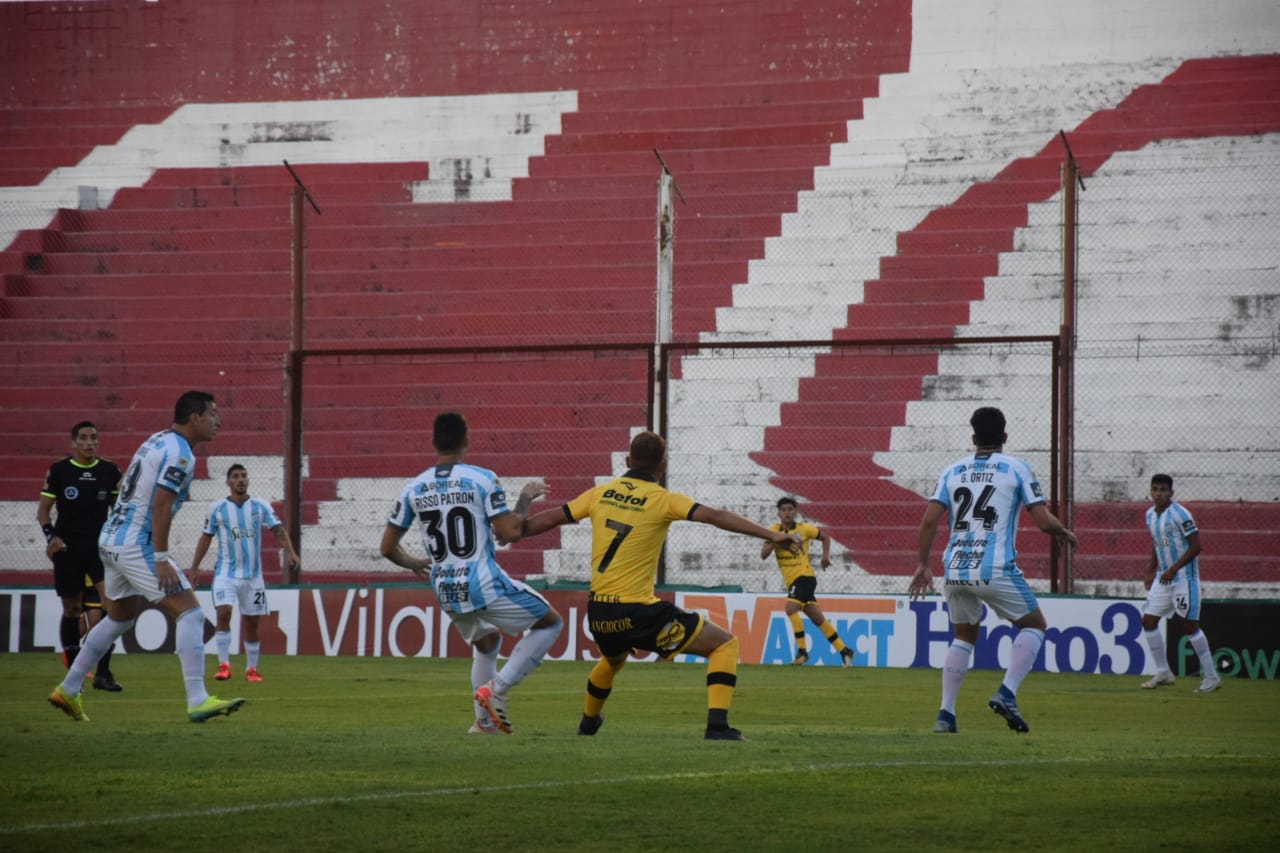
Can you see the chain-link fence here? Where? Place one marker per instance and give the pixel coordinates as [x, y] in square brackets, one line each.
[856, 432]
[561, 414]
[1175, 353]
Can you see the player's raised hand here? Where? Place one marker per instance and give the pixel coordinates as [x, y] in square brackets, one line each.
[533, 490]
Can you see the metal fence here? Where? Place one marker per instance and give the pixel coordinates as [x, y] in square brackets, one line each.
[1175, 363]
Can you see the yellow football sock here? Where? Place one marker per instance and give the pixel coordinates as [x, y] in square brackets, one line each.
[722, 675]
[600, 684]
[797, 628]
[833, 636]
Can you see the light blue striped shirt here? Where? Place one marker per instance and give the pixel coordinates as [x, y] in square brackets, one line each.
[984, 494]
[452, 505]
[239, 530]
[1170, 531]
[164, 461]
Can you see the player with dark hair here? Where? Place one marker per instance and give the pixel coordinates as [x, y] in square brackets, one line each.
[629, 520]
[460, 509]
[1173, 573]
[139, 567]
[982, 494]
[802, 583]
[80, 488]
[238, 521]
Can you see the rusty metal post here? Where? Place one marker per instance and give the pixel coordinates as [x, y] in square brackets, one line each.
[293, 364]
[293, 379]
[1066, 376]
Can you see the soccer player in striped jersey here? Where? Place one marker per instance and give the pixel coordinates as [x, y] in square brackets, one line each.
[629, 520]
[460, 509]
[982, 495]
[1173, 571]
[238, 521]
[802, 583]
[138, 564]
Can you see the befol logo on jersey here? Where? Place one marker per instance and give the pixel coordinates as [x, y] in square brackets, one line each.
[498, 500]
[629, 500]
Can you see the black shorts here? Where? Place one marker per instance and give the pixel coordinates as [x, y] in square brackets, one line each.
[70, 566]
[659, 627]
[804, 590]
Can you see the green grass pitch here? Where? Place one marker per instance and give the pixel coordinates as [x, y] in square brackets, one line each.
[372, 754]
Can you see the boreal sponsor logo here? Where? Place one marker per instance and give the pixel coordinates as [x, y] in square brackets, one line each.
[174, 476]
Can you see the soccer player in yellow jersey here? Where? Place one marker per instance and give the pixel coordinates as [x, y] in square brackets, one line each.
[629, 520]
[802, 583]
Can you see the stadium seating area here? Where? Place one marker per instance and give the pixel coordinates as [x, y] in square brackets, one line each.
[890, 180]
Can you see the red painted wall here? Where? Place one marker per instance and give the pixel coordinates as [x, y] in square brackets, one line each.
[127, 52]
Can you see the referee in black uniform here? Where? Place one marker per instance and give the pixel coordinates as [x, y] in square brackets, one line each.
[82, 488]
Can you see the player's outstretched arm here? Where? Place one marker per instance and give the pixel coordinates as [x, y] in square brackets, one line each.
[510, 526]
[734, 523]
[1049, 523]
[546, 520]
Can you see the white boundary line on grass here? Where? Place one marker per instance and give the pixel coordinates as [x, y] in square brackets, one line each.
[531, 786]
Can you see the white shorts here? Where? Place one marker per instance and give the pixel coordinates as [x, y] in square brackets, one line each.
[1008, 596]
[1181, 597]
[131, 570]
[511, 614]
[249, 593]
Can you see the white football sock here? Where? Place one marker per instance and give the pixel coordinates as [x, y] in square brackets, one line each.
[1155, 642]
[223, 641]
[1200, 643]
[955, 666]
[188, 635]
[251, 651]
[92, 647]
[484, 667]
[526, 656]
[1025, 648]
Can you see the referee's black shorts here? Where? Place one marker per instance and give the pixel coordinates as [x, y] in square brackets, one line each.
[70, 566]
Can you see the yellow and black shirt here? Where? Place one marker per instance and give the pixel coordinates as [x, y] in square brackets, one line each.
[791, 565]
[629, 520]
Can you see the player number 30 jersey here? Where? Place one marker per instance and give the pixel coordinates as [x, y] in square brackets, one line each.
[452, 505]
